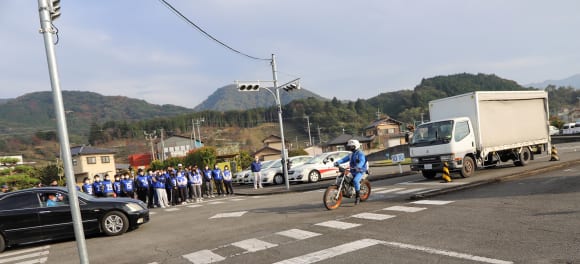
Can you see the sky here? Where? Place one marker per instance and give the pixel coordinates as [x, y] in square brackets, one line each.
[339, 48]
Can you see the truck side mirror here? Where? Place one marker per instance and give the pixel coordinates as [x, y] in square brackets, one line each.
[407, 136]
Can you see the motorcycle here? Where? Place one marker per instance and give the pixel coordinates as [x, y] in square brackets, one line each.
[344, 187]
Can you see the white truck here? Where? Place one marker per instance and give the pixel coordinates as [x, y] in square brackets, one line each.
[481, 129]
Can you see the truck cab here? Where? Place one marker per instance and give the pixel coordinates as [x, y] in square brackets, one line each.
[437, 142]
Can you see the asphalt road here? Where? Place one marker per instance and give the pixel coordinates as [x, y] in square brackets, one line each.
[527, 220]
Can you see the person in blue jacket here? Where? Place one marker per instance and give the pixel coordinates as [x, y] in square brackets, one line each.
[358, 162]
[208, 181]
[228, 180]
[151, 195]
[117, 186]
[127, 186]
[159, 182]
[196, 182]
[87, 186]
[97, 186]
[108, 187]
[174, 196]
[218, 179]
[182, 186]
[256, 167]
[142, 185]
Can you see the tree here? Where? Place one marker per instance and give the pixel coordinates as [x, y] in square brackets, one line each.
[9, 162]
[201, 157]
[47, 174]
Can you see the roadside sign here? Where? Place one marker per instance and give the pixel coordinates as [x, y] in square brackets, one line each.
[398, 158]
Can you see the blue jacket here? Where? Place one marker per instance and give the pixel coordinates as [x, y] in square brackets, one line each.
[107, 186]
[88, 189]
[160, 181]
[207, 174]
[228, 175]
[358, 162]
[217, 174]
[117, 187]
[127, 185]
[142, 182]
[181, 180]
[256, 166]
[98, 187]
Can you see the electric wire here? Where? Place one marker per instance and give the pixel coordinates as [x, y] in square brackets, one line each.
[175, 11]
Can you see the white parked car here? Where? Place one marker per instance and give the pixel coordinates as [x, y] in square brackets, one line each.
[318, 168]
[238, 177]
[275, 175]
[554, 130]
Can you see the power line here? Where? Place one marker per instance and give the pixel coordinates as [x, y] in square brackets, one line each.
[175, 11]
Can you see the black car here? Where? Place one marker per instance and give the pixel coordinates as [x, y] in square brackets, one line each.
[40, 214]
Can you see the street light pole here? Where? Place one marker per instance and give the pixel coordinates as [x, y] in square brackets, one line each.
[284, 154]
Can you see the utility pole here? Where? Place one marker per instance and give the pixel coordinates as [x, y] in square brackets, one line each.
[192, 134]
[162, 146]
[309, 135]
[151, 137]
[198, 123]
[49, 10]
[319, 136]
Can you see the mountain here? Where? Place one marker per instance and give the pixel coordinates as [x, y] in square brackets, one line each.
[229, 98]
[573, 81]
[35, 111]
[3, 100]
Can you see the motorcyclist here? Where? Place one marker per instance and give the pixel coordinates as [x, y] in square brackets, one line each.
[358, 162]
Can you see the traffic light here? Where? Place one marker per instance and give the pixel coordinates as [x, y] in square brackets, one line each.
[292, 86]
[54, 8]
[248, 87]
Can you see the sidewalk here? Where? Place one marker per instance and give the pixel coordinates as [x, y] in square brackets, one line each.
[568, 157]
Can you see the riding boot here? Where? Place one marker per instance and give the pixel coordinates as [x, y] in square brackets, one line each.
[357, 199]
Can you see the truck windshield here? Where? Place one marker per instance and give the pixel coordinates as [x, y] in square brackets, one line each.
[432, 133]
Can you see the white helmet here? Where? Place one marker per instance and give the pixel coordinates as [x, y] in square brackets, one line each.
[352, 145]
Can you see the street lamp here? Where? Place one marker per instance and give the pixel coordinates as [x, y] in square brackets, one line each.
[253, 86]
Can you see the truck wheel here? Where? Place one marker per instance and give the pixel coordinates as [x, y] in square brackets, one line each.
[429, 174]
[468, 167]
[524, 157]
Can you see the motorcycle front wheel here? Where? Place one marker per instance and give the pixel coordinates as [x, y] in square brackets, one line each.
[330, 199]
[365, 190]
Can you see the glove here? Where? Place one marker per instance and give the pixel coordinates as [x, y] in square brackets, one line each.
[336, 164]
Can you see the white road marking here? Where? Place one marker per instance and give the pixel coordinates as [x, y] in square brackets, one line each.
[203, 257]
[338, 224]
[390, 190]
[432, 202]
[152, 213]
[17, 252]
[34, 261]
[171, 209]
[216, 202]
[407, 209]
[364, 243]
[298, 234]
[226, 215]
[372, 216]
[379, 189]
[410, 190]
[27, 256]
[237, 199]
[194, 206]
[253, 245]
[330, 252]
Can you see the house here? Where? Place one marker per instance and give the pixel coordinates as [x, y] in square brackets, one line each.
[272, 148]
[177, 146]
[89, 161]
[339, 143]
[387, 133]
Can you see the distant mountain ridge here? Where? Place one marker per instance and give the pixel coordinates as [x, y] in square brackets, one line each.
[573, 81]
[229, 98]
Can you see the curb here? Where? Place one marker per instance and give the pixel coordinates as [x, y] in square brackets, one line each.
[512, 176]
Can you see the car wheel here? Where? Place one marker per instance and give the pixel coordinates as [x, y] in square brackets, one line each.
[313, 176]
[278, 179]
[114, 223]
[2, 244]
[468, 167]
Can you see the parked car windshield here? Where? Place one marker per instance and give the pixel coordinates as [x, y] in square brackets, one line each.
[432, 133]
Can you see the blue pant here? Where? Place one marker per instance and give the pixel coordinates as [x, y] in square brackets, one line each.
[357, 177]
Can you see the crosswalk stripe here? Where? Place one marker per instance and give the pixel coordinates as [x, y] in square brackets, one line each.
[410, 190]
[194, 205]
[379, 189]
[390, 190]
[253, 245]
[27, 256]
[237, 199]
[407, 209]
[18, 252]
[216, 202]
[34, 261]
[203, 257]
[171, 209]
[226, 215]
[330, 252]
[298, 234]
[432, 202]
[337, 224]
[372, 216]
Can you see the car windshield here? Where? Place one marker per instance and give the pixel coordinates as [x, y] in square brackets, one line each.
[268, 164]
[432, 133]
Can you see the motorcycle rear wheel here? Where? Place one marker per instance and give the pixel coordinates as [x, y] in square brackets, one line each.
[365, 190]
[329, 199]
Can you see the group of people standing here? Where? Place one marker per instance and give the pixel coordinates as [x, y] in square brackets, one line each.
[164, 188]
